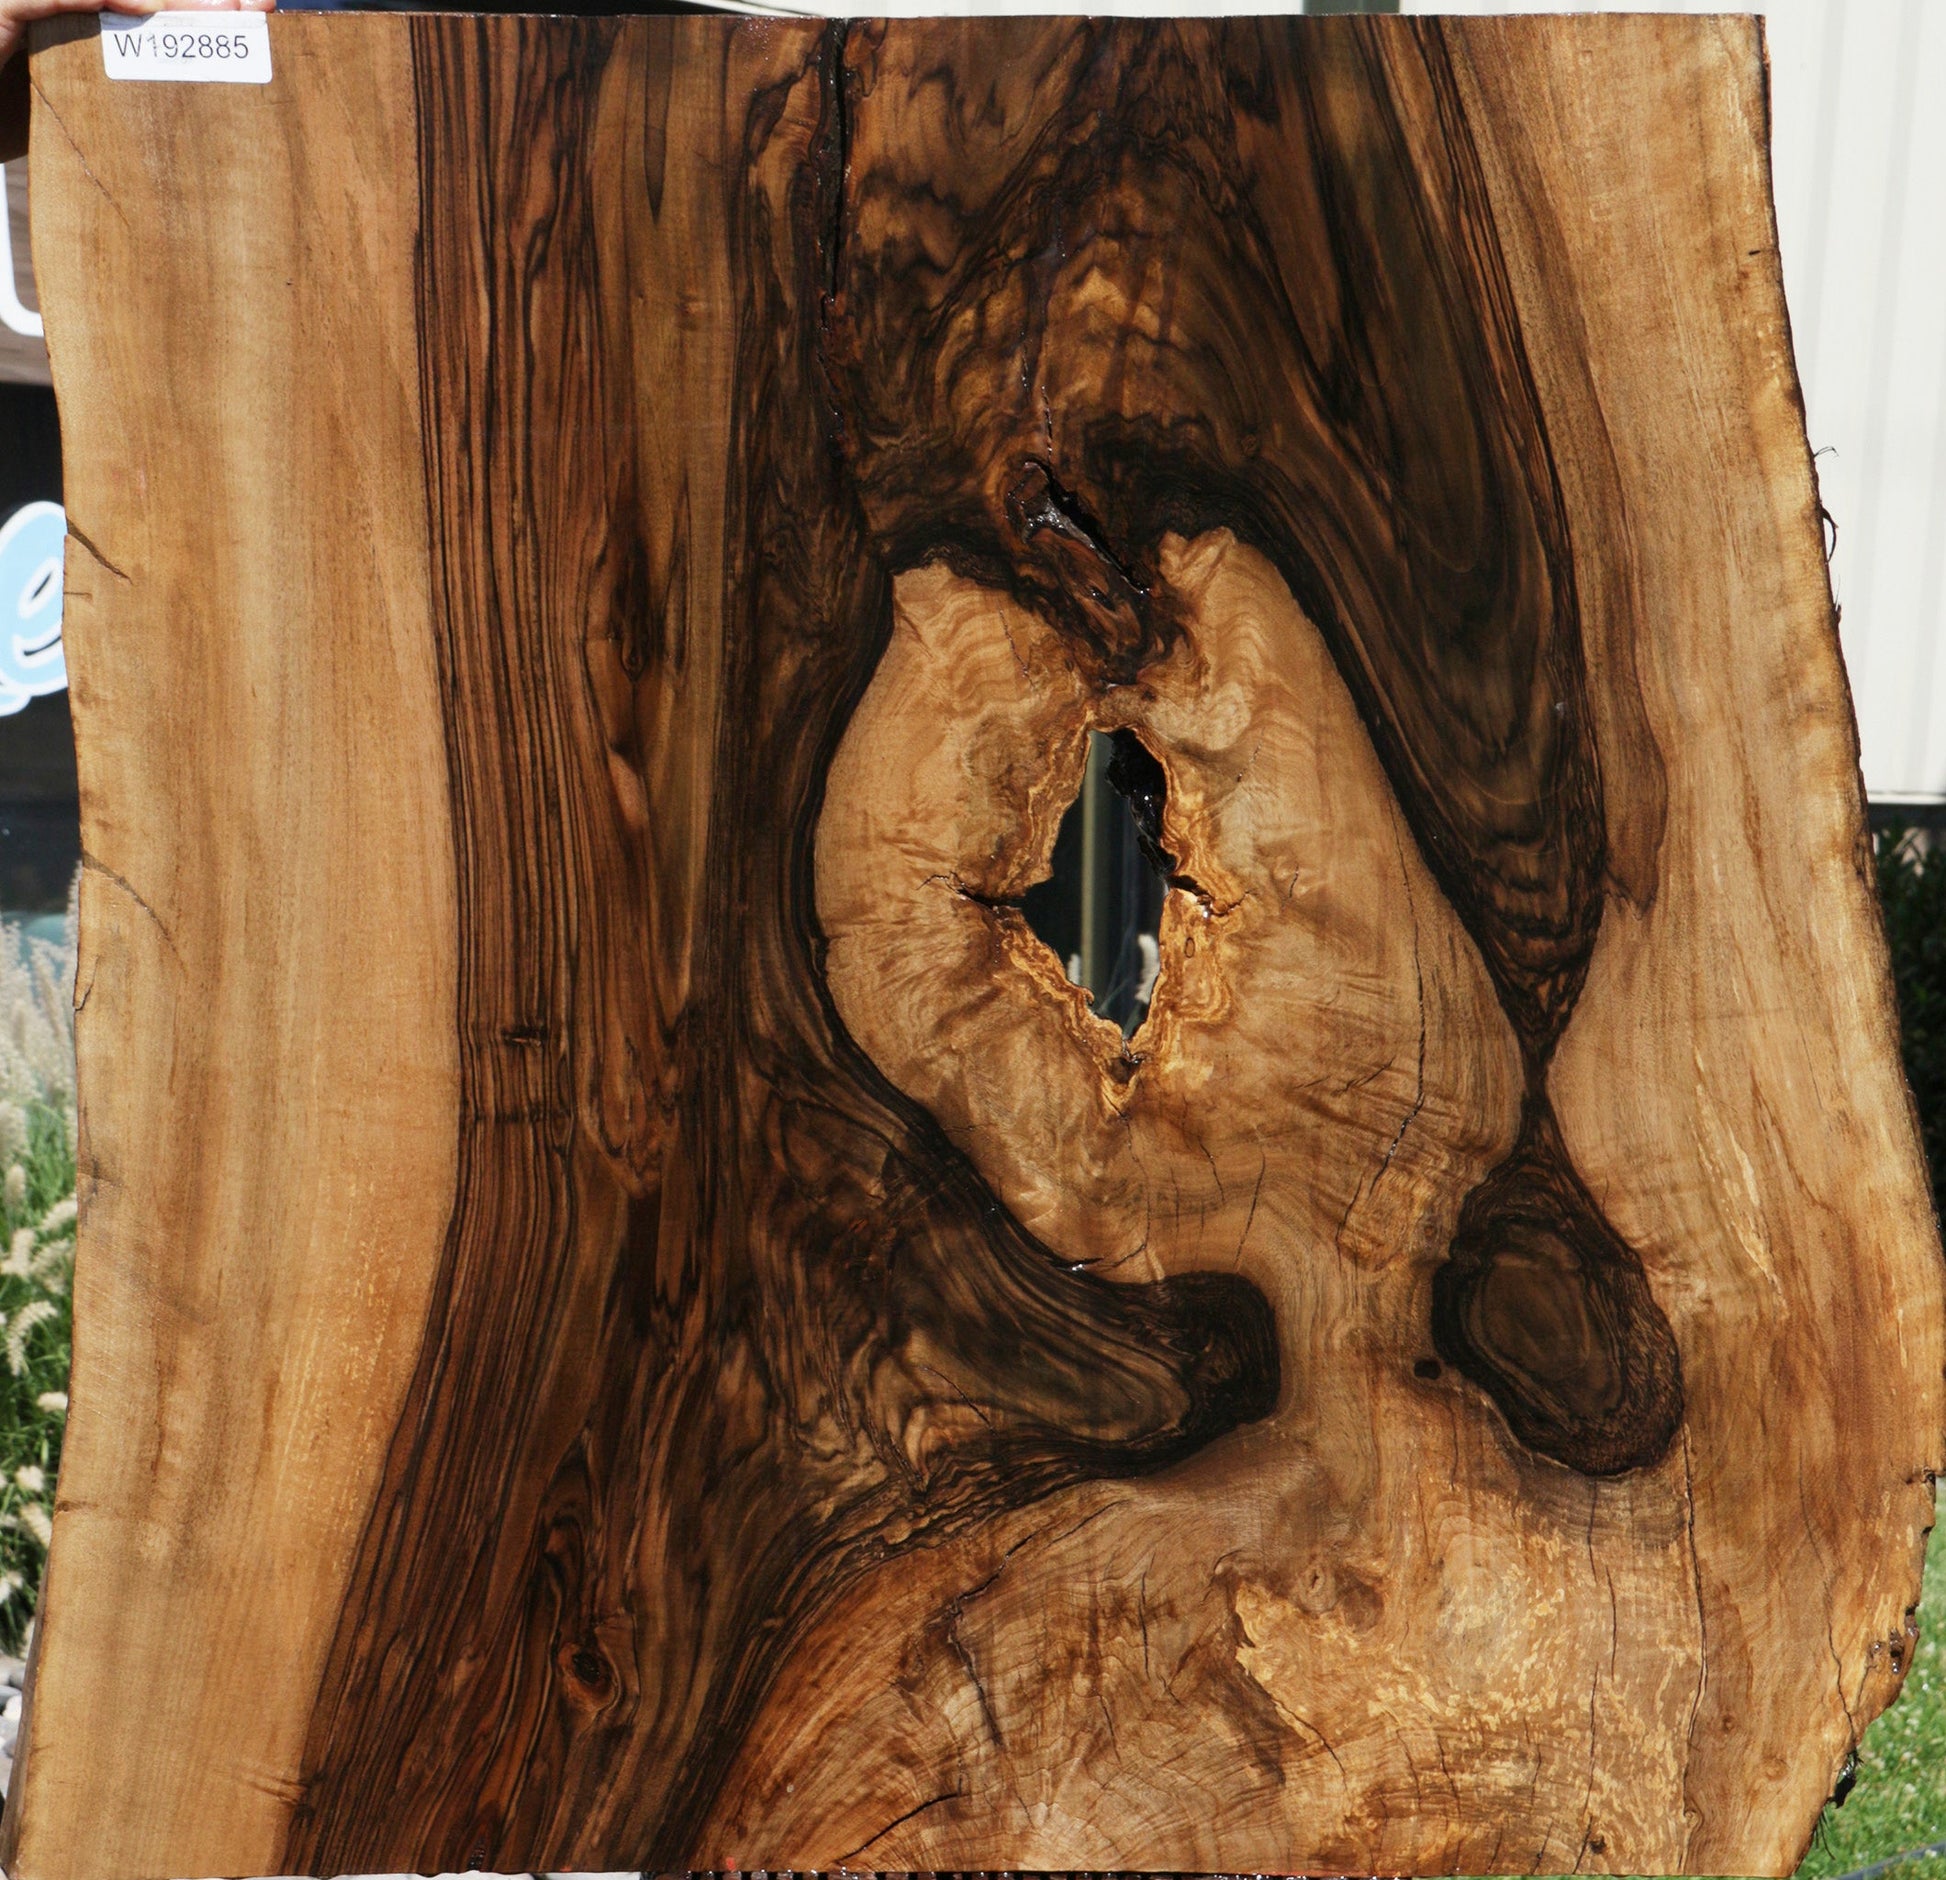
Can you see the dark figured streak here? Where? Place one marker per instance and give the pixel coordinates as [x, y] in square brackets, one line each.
[694, 1368]
[1542, 1304]
[605, 1520]
[1346, 389]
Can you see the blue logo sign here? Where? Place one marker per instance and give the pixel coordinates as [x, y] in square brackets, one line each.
[32, 541]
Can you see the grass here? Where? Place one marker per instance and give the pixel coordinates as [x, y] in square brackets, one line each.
[37, 1217]
[1896, 1805]
[37, 1211]
[1898, 1800]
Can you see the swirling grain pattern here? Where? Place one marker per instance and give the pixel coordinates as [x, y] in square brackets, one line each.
[1453, 1390]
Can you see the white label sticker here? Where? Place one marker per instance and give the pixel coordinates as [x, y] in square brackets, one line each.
[231, 48]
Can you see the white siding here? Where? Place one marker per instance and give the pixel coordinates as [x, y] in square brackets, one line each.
[23, 358]
[1859, 129]
[1858, 95]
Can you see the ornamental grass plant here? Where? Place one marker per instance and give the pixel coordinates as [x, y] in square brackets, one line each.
[1893, 1818]
[37, 1226]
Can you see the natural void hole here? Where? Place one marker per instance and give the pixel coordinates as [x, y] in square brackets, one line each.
[1101, 909]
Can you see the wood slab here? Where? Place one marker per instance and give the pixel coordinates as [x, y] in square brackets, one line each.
[628, 1315]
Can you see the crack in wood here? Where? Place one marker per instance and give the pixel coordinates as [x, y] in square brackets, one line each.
[668, 1421]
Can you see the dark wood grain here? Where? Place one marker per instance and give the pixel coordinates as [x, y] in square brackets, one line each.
[1329, 368]
[724, 1321]
[778, 1380]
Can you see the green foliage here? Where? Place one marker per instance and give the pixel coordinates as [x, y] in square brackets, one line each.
[1898, 1802]
[37, 1216]
[1913, 891]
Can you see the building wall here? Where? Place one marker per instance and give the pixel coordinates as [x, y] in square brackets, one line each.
[1858, 96]
[1859, 141]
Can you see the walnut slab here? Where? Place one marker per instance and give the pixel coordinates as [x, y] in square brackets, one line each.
[628, 1314]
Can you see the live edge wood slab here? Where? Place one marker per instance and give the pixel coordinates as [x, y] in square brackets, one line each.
[628, 1315]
